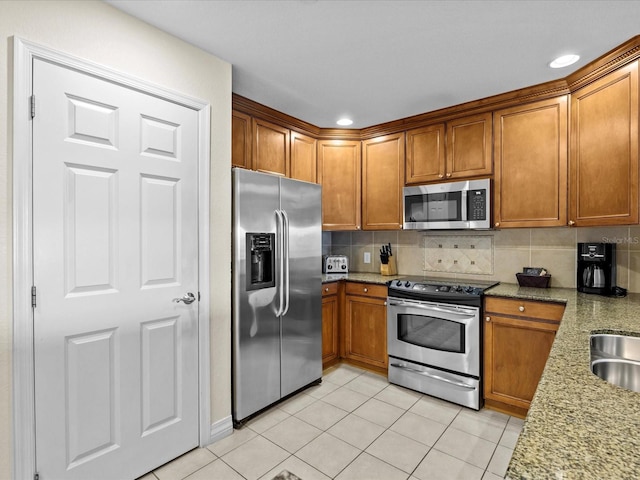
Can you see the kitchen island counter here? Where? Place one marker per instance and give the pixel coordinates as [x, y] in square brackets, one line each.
[579, 426]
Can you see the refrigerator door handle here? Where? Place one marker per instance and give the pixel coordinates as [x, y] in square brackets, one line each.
[280, 270]
[285, 270]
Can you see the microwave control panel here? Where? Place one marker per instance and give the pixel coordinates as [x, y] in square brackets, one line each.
[477, 204]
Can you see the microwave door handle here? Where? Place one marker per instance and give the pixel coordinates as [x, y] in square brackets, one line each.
[463, 207]
[435, 377]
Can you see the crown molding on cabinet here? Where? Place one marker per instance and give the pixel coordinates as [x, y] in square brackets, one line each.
[616, 58]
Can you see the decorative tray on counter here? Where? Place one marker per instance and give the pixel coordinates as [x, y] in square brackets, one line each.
[536, 277]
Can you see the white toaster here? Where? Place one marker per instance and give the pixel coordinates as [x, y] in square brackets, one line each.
[335, 264]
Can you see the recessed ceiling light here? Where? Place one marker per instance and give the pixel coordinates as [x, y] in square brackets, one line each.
[344, 122]
[564, 61]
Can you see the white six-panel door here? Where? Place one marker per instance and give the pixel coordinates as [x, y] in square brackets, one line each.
[115, 240]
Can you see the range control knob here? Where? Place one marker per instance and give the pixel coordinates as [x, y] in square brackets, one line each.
[344, 267]
[398, 283]
[468, 289]
[407, 283]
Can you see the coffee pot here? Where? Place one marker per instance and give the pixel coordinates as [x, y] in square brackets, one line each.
[596, 268]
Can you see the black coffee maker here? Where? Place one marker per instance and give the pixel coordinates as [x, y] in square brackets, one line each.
[597, 268]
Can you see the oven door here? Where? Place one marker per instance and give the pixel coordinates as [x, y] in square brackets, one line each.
[434, 334]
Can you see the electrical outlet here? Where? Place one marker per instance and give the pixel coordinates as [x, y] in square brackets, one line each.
[367, 257]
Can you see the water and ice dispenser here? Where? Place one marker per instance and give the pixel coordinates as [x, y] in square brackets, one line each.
[260, 261]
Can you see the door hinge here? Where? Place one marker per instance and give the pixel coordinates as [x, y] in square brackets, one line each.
[33, 297]
[198, 296]
[33, 106]
[36, 476]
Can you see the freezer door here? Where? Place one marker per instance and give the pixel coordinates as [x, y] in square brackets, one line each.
[302, 323]
[256, 328]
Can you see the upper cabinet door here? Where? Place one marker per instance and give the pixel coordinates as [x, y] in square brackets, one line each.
[603, 156]
[382, 182]
[469, 146]
[303, 157]
[240, 140]
[340, 176]
[530, 148]
[425, 160]
[270, 148]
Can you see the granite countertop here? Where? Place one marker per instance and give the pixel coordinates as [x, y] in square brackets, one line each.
[359, 277]
[579, 426]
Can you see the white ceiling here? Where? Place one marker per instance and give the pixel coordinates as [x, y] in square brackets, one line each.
[378, 60]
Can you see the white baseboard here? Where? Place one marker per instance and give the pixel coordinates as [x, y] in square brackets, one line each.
[221, 429]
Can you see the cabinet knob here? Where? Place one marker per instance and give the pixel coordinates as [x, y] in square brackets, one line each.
[326, 289]
[366, 290]
[440, 176]
[357, 227]
[571, 223]
[497, 224]
[521, 308]
[487, 319]
[385, 304]
[448, 175]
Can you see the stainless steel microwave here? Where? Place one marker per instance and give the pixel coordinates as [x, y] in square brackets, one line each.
[454, 206]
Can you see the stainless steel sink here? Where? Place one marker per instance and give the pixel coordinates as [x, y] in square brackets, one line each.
[616, 359]
[618, 346]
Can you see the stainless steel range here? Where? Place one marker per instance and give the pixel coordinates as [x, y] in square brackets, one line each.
[434, 337]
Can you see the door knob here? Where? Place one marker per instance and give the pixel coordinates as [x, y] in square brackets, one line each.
[188, 298]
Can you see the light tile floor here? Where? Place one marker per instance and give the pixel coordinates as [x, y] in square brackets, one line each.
[356, 425]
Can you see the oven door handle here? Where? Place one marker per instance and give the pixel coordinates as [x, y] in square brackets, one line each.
[469, 314]
[435, 377]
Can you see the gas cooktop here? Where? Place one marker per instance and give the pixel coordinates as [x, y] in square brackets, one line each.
[437, 287]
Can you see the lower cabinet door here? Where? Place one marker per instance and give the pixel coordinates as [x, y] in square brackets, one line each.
[516, 352]
[329, 329]
[365, 330]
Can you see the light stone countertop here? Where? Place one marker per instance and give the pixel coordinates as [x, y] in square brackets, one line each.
[359, 277]
[579, 427]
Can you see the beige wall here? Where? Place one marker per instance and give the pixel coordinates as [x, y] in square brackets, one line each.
[96, 31]
[551, 248]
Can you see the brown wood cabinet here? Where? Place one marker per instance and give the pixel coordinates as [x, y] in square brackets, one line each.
[330, 324]
[530, 154]
[339, 173]
[270, 147]
[303, 157]
[603, 155]
[461, 148]
[425, 158]
[382, 182]
[468, 149]
[364, 335]
[240, 140]
[518, 336]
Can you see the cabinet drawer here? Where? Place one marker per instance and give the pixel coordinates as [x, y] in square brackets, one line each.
[366, 290]
[524, 308]
[329, 289]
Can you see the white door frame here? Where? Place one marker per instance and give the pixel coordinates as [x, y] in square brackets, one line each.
[24, 52]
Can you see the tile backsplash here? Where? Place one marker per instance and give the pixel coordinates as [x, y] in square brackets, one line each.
[459, 254]
[489, 255]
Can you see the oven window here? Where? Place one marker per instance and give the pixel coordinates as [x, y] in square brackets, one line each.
[434, 207]
[431, 332]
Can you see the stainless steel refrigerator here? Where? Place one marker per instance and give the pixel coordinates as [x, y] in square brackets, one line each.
[277, 303]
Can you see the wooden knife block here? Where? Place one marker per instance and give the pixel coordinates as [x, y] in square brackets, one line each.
[389, 268]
